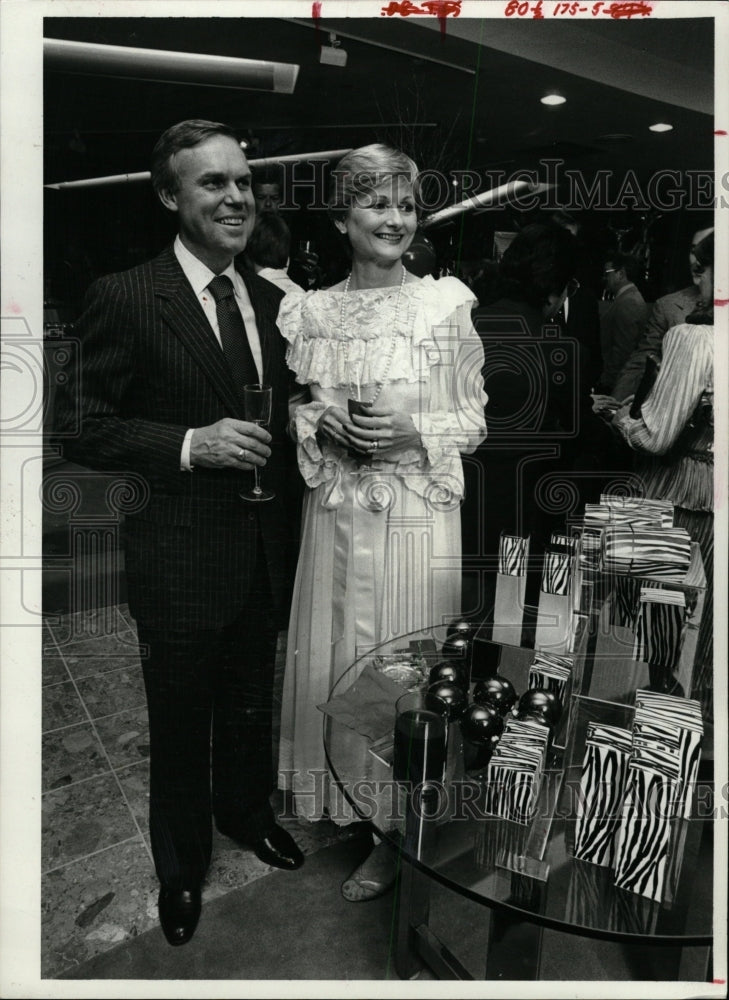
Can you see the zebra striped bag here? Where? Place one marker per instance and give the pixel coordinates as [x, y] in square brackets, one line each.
[514, 775]
[551, 672]
[645, 508]
[513, 552]
[636, 551]
[598, 516]
[556, 572]
[659, 630]
[604, 770]
[644, 832]
[514, 794]
[658, 714]
[685, 710]
[624, 603]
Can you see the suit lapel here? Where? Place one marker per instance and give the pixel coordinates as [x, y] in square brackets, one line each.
[184, 315]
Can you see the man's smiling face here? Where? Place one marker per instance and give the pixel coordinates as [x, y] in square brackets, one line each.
[213, 200]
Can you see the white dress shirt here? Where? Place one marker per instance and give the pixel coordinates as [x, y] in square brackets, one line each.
[199, 275]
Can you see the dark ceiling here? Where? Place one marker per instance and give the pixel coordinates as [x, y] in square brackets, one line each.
[488, 118]
[466, 100]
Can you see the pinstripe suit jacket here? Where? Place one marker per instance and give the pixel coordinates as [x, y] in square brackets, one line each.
[151, 367]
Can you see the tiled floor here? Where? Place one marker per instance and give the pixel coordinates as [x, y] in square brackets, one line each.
[98, 883]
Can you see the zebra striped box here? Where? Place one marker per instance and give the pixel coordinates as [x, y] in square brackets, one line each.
[553, 673]
[604, 771]
[510, 596]
[644, 834]
[514, 775]
[644, 508]
[513, 555]
[659, 631]
[664, 553]
[658, 715]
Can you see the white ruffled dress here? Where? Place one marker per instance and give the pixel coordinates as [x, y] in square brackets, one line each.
[380, 548]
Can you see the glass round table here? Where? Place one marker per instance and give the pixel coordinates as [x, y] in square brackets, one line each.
[526, 874]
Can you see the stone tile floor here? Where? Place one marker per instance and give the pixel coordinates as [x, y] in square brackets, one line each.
[98, 886]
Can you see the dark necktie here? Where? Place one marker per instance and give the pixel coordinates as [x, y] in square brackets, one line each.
[233, 335]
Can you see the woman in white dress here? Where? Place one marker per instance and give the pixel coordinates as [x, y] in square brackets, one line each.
[381, 536]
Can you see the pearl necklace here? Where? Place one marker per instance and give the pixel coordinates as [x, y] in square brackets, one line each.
[391, 351]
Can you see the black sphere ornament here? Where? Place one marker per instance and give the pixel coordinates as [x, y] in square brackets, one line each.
[451, 671]
[496, 691]
[541, 705]
[457, 646]
[462, 628]
[420, 257]
[446, 695]
[481, 724]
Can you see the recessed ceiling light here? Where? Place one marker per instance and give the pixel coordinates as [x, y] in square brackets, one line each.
[661, 127]
[615, 137]
[553, 99]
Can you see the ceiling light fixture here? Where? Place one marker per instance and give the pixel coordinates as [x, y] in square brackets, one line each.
[553, 99]
[144, 175]
[661, 127]
[333, 54]
[88, 58]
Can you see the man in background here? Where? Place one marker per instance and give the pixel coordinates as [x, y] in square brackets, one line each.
[668, 311]
[624, 319]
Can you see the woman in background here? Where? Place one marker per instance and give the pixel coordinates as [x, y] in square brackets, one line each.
[675, 436]
[381, 543]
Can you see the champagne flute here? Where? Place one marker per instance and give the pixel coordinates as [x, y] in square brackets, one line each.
[257, 402]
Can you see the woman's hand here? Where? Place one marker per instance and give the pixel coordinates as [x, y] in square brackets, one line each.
[604, 406]
[383, 431]
[334, 425]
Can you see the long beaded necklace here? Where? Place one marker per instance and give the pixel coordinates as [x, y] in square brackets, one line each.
[355, 391]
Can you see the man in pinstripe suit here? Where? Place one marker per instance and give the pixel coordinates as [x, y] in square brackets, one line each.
[160, 395]
[668, 311]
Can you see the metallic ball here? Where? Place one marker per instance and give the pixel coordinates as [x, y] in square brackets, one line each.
[448, 695]
[449, 670]
[462, 628]
[496, 691]
[481, 724]
[541, 705]
[420, 257]
[457, 646]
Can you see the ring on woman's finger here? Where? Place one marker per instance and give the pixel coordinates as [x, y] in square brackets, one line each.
[375, 445]
[241, 454]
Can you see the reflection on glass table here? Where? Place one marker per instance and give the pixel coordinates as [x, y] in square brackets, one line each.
[524, 873]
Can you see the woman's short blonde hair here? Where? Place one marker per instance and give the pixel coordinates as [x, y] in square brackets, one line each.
[364, 169]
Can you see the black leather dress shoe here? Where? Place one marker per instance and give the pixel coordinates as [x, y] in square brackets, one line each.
[179, 912]
[277, 848]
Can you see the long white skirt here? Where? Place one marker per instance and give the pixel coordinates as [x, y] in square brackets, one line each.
[384, 563]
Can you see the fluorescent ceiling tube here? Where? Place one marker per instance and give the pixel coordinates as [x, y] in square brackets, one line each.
[169, 67]
[144, 175]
